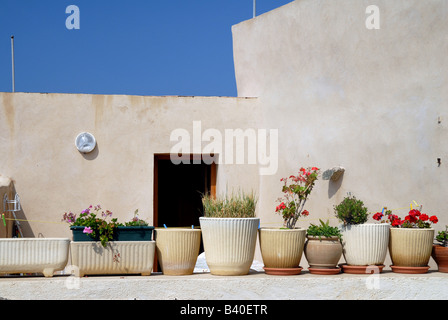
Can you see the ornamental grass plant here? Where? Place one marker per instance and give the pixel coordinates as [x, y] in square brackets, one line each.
[235, 205]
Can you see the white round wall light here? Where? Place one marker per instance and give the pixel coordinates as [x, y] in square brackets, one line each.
[85, 142]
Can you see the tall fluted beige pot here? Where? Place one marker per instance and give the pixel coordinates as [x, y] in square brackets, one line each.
[177, 249]
[282, 249]
[229, 244]
[410, 249]
[364, 245]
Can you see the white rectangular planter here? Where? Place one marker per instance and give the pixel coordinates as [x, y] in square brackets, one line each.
[118, 257]
[33, 255]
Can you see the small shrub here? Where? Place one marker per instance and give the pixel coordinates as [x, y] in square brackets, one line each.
[351, 211]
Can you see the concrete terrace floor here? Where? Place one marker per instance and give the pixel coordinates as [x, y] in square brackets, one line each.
[205, 286]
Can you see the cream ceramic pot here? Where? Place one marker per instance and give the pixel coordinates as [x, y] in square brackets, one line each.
[365, 244]
[229, 244]
[282, 248]
[177, 249]
[323, 253]
[411, 247]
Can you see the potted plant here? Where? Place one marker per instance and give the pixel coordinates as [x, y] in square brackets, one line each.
[364, 245]
[177, 249]
[134, 230]
[282, 248]
[229, 232]
[95, 250]
[411, 241]
[440, 251]
[91, 226]
[323, 248]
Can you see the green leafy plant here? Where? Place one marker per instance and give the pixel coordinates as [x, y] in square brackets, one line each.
[135, 221]
[323, 230]
[442, 237]
[351, 211]
[296, 190]
[96, 224]
[240, 205]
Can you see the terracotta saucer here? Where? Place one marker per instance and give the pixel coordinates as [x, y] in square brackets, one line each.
[360, 269]
[283, 271]
[324, 271]
[409, 270]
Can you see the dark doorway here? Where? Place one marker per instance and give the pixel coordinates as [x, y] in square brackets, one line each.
[178, 190]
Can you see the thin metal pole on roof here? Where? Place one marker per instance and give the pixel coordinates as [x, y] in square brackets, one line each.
[255, 8]
[12, 58]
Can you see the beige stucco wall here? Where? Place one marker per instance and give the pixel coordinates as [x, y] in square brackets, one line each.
[37, 139]
[343, 95]
[372, 101]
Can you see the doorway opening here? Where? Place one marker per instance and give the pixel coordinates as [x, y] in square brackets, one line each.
[178, 190]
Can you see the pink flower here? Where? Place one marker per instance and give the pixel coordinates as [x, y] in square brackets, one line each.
[87, 230]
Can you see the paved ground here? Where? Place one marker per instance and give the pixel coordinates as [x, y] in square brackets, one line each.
[205, 286]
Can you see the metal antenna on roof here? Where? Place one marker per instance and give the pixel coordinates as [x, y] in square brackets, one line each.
[255, 8]
[12, 57]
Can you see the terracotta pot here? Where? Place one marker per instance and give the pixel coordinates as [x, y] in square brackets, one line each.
[177, 249]
[229, 244]
[323, 253]
[365, 244]
[411, 248]
[440, 255]
[282, 249]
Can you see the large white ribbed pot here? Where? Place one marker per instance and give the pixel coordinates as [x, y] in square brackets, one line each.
[229, 244]
[365, 244]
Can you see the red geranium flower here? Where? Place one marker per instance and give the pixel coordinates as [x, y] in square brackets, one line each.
[433, 219]
[414, 213]
[396, 222]
[377, 216]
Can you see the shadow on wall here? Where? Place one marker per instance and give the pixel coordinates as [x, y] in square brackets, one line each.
[335, 176]
[9, 227]
[93, 154]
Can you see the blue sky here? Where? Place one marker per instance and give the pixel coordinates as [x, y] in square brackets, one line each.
[136, 47]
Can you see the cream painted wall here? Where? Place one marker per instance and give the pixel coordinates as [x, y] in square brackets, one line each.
[343, 95]
[37, 135]
[338, 93]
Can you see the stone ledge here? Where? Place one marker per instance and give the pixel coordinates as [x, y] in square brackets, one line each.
[204, 286]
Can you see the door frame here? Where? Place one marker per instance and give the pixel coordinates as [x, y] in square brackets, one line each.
[166, 156]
